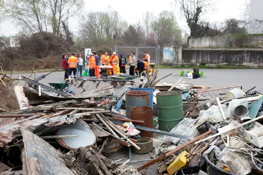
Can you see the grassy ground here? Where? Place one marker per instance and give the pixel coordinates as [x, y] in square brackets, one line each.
[203, 67]
[30, 71]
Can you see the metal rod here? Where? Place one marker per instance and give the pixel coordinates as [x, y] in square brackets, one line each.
[227, 130]
[174, 151]
[58, 136]
[159, 131]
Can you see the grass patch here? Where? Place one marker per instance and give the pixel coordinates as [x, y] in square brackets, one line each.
[204, 66]
[162, 66]
[29, 71]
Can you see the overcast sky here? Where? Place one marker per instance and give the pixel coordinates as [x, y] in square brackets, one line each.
[132, 11]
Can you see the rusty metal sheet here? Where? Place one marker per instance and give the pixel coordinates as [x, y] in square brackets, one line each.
[40, 158]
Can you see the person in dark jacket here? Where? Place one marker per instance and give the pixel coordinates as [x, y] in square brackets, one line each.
[122, 64]
[65, 66]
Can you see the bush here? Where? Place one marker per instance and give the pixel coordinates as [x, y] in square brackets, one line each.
[43, 44]
[242, 40]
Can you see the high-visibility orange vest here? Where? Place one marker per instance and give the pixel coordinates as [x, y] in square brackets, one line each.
[92, 62]
[115, 60]
[108, 60]
[72, 61]
[147, 57]
[103, 59]
[146, 64]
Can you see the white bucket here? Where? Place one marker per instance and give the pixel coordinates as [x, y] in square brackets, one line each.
[234, 93]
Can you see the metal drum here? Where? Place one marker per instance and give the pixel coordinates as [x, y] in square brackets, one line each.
[144, 113]
[170, 109]
[136, 98]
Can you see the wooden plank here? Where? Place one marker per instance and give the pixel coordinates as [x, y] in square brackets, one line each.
[41, 158]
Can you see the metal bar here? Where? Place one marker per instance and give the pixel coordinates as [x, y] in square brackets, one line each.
[33, 82]
[227, 130]
[159, 55]
[115, 80]
[157, 81]
[127, 47]
[174, 151]
[137, 54]
[58, 136]
[157, 131]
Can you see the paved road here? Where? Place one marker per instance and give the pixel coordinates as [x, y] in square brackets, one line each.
[216, 78]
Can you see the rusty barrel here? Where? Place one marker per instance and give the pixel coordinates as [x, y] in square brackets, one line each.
[136, 98]
[144, 113]
[170, 109]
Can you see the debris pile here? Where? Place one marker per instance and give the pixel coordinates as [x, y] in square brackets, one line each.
[122, 126]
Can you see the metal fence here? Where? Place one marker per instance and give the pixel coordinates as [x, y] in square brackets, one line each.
[126, 51]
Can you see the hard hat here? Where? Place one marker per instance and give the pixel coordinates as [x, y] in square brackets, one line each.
[114, 53]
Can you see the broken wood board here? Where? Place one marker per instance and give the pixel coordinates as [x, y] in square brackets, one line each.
[181, 86]
[40, 158]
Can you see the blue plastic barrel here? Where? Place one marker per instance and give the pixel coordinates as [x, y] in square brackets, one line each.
[145, 89]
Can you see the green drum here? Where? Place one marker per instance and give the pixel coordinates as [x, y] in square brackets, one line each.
[170, 108]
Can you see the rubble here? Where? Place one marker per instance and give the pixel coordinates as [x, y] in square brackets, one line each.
[84, 128]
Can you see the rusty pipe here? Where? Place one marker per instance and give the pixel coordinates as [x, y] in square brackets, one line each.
[174, 151]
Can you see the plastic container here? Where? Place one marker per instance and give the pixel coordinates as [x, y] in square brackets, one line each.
[181, 73]
[234, 93]
[190, 75]
[179, 162]
[145, 89]
[136, 98]
[170, 109]
[214, 170]
[255, 136]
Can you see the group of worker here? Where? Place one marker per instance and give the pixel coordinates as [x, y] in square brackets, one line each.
[118, 65]
[72, 64]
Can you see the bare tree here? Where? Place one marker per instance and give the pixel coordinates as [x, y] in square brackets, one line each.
[41, 15]
[193, 10]
[232, 26]
[98, 28]
[148, 17]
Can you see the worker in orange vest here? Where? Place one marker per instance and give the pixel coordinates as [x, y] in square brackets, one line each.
[103, 59]
[114, 61]
[92, 65]
[109, 72]
[72, 61]
[146, 64]
[97, 60]
[147, 56]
